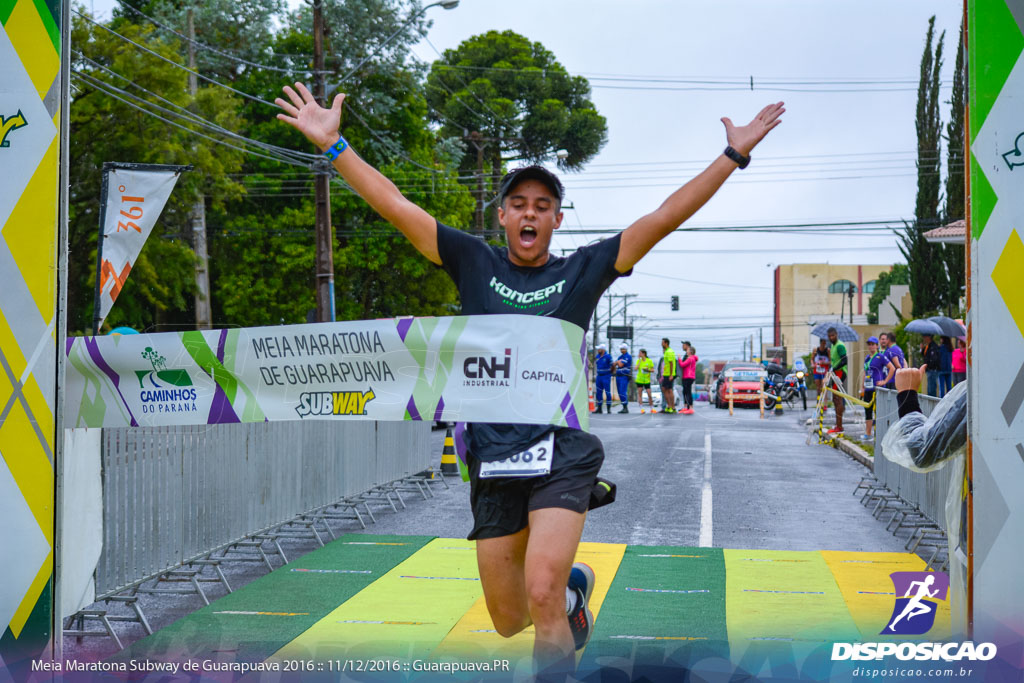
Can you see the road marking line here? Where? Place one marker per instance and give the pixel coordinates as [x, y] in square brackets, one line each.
[705, 496]
[665, 590]
[656, 638]
[757, 590]
[698, 557]
[443, 578]
[265, 614]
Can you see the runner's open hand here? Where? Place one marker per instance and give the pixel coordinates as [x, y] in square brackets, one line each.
[745, 138]
[909, 378]
[319, 125]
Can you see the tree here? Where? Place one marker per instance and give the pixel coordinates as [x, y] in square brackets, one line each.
[899, 275]
[928, 281]
[955, 169]
[105, 127]
[519, 99]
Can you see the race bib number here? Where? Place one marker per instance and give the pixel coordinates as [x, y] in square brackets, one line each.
[869, 383]
[535, 461]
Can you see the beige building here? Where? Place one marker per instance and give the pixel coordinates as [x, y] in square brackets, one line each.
[809, 293]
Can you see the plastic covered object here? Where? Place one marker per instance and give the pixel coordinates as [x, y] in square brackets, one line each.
[926, 443]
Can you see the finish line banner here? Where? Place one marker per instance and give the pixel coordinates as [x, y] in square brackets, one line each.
[495, 368]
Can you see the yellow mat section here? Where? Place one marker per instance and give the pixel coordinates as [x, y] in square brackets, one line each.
[402, 615]
[474, 635]
[864, 582]
[783, 596]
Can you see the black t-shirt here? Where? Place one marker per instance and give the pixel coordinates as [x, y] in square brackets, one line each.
[489, 283]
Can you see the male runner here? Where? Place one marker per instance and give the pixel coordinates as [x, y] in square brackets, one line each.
[528, 529]
[668, 377]
[839, 362]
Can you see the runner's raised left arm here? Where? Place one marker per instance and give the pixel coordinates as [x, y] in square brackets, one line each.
[640, 237]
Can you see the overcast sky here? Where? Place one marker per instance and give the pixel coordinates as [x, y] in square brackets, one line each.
[842, 153]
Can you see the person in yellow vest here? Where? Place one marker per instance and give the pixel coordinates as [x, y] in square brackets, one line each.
[668, 377]
[644, 367]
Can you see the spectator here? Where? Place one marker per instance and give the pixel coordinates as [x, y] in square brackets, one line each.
[945, 365]
[668, 377]
[689, 373]
[821, 361]
[839, 369]
[644, 367]
[623, 372]
[959, 362]
[933, 360]
[874, 373]
[896, 359]
[603, 364]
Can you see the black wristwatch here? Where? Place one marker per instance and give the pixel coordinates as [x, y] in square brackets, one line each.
[740, 160]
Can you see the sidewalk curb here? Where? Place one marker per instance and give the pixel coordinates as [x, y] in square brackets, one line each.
[856, 452]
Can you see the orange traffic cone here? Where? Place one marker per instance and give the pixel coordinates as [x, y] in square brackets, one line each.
[449, 465]
[591, 399]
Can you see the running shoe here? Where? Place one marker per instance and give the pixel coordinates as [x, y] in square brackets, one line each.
[642, 411]
[866, 437]
[581, 619]
[835, 430]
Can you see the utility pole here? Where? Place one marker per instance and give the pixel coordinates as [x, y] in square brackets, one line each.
[322, 179]
[849, 293]
[479, 143]
[204, 317]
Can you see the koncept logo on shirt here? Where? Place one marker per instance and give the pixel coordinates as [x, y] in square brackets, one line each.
[518, 299]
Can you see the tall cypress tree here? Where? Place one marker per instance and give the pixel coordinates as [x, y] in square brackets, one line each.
[955, 169]
[928, 281]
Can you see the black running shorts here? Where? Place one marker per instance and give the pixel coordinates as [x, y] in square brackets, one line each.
[643, 385]
[667, 382]
[501, 505]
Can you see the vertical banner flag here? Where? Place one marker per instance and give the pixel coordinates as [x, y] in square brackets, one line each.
[133, 196]
[32, 141]
[995, 317]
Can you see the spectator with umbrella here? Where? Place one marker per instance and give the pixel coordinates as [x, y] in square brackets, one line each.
[945, 365]
[960, 361]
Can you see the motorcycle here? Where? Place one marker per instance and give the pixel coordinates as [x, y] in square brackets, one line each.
[781, 385]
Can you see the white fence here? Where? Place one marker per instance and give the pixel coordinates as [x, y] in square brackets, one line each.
[173, 494]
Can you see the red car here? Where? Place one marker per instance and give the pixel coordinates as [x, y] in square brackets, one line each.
[747, 382]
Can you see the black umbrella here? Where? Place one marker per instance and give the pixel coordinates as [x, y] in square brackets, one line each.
[843, 331]
[924, 327]
[949, 327]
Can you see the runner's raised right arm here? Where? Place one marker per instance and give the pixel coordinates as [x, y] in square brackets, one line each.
[320, 126]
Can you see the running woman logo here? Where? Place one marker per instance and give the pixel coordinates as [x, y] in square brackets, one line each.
[7, 124]
[914, 613]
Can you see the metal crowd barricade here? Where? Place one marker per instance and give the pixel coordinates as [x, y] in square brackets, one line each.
[926, 491]
[175, 495]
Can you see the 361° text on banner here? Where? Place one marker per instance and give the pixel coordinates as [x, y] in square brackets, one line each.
[133, 199]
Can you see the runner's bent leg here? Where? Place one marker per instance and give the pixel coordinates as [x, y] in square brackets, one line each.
[554, 535]
[502, 576]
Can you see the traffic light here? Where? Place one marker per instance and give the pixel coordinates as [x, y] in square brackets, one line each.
[675, 303]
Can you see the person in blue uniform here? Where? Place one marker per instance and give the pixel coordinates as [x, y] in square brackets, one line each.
[603, 365]
[623, 372]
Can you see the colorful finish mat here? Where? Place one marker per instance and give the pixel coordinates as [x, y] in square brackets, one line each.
[414, 598]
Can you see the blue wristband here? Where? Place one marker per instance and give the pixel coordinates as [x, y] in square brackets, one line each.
[335, 150]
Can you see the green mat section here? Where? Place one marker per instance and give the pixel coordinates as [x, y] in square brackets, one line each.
[254, 622]
[666, 607]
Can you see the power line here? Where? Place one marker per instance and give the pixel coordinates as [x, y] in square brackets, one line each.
[218, 51]
[174, 63]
